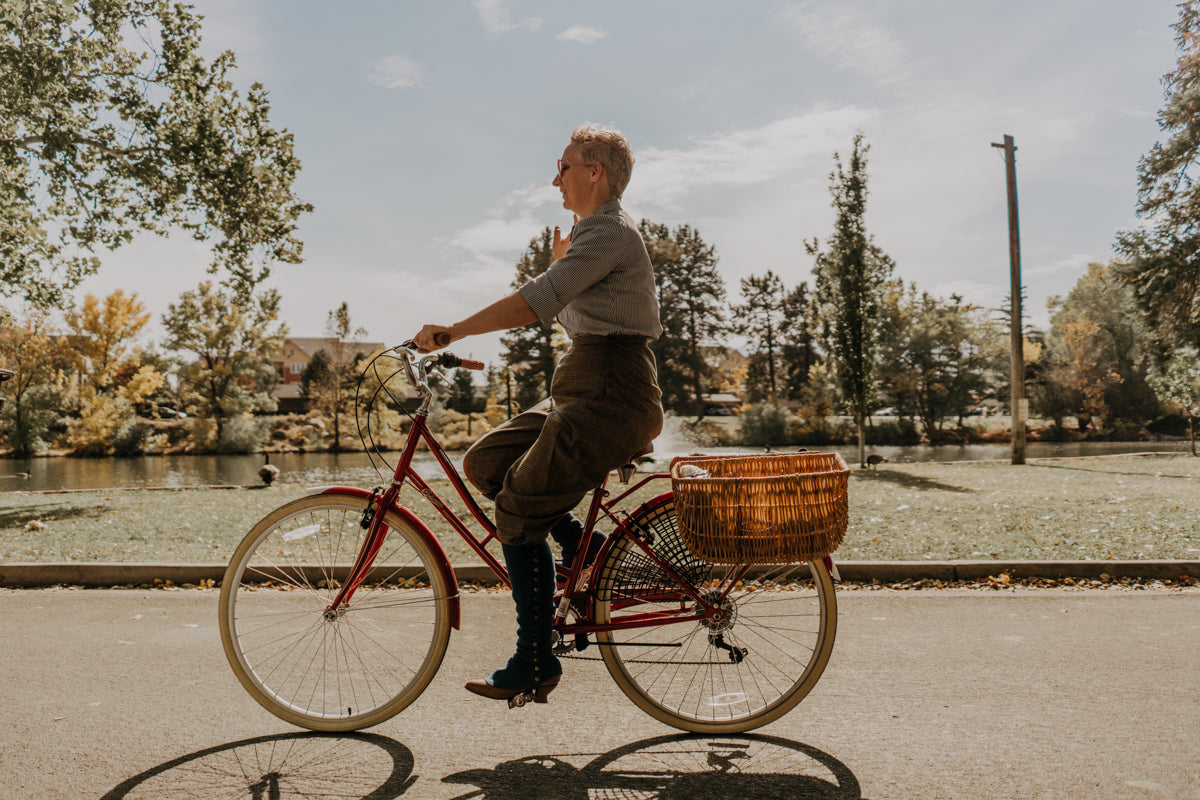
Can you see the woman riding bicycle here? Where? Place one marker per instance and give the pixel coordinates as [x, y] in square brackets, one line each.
[604, 406]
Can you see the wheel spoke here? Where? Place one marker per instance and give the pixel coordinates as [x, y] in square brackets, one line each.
[333, 669]
[782, 617]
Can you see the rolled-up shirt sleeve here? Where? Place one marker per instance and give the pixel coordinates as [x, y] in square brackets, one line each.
[597, 244]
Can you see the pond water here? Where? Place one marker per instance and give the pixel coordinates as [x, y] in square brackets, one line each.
[315, 469]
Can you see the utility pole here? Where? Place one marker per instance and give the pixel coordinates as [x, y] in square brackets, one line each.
[1017, 402]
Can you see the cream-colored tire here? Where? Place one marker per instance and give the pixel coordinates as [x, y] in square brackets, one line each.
[338, 670]
[721, 676]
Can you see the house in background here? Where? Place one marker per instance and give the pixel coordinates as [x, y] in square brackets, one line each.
[293, 358]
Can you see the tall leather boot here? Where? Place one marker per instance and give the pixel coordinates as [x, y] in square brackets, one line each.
[533, 668]
[567, 532]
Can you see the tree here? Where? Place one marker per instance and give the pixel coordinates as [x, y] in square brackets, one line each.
[108, 424]
[329, 385]
[691, 306]
[105, 332]
[850, 275]
[1161, 258]
[945, 357]
[36, 394]
[797, 336]
[232, 343]
[1080, 368]
[1179, 384]
[462, 392]
[111, 122]
[761, 319]
[532, 351]
[1121, 340]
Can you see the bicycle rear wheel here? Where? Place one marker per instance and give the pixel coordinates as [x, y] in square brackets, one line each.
[332, 671]
[715, 676]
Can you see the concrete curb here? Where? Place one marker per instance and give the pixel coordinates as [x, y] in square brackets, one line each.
[96, 575]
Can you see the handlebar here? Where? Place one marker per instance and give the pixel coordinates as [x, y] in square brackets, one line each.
[443, 339]
[445, 360]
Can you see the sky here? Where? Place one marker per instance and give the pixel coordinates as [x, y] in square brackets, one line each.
[428, 132]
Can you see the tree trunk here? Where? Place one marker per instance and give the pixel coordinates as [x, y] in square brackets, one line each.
[862, 441]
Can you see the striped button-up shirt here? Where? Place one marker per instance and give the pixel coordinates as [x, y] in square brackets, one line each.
[604, 285]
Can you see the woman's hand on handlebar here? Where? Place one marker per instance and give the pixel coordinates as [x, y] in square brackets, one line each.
[432, 337]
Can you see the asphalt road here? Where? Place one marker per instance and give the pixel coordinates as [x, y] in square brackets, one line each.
[930, 694]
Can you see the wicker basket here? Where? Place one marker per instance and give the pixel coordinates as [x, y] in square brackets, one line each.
[780, 508]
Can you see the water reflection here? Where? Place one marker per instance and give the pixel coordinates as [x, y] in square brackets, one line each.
[355, 468]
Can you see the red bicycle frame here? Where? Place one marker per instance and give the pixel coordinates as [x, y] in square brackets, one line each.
[692, 605]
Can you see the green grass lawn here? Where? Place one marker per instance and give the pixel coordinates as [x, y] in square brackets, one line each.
[1126, 507]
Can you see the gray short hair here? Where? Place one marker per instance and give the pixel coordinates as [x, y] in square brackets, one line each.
[609, 148]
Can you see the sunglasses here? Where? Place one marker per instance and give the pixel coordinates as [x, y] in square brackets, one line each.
[563, 166]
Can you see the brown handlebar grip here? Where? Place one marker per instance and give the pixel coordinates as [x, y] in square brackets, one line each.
[469, 364]
[441, 339]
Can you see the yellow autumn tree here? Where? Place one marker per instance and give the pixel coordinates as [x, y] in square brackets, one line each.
[40, 390]
[105, 330]
[108, 423]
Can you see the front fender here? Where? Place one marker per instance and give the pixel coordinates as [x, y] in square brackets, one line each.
[441, 560]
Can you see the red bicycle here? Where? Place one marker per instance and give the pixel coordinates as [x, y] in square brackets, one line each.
[336, 608]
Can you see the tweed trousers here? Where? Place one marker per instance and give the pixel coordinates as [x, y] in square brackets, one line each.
[604, 408]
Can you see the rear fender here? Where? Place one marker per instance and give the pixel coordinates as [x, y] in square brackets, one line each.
[441, 561]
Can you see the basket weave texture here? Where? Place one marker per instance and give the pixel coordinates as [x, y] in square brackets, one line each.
[778, 508]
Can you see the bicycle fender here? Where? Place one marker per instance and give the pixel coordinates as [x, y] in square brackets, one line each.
[442, 561]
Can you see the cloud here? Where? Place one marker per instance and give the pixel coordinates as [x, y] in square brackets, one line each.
[747, 156]
[1074, 264]
[508, 227]
[396, 72]
[497, 19]
[770, 155]
[581, 34]
[851, 39]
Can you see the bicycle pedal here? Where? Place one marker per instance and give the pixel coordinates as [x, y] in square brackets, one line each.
[519, 700]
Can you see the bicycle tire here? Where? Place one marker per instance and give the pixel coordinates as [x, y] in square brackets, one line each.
[343, 671]
[687, 674]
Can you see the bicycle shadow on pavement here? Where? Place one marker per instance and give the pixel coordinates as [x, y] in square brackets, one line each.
[304, 764]
[677, 767]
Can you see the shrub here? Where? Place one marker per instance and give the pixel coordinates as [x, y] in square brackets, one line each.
[243, 434]
[763, 424]
[900, 431]
[31, 432]
[131, 439]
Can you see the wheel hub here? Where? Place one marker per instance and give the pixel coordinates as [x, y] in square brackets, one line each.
[334, 614]
[723, 614]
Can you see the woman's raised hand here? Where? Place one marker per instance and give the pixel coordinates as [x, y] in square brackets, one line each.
[561, 245]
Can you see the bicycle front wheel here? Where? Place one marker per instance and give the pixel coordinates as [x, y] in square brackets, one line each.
[727, 675]
[333, 669]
